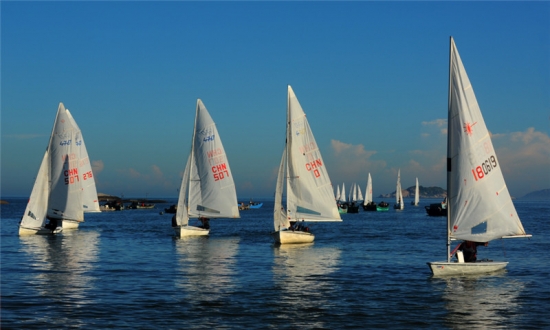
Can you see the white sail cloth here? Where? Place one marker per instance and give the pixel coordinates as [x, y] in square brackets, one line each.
[479, 202]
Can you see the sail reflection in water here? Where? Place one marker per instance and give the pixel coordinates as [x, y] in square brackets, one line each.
[207, 268]
[62, 265]
[302, 274]
[482, 302]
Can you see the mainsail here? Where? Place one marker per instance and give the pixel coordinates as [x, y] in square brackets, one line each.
[65, 200]
[480, 206]
[310, 196]
[90, 202]
[211, 187]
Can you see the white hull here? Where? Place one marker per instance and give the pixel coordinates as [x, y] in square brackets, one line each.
[292, 237]
[184, 231]
[38, 231]
[70, 224]
[442, 268]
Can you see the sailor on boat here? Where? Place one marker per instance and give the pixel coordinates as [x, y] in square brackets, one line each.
[469, 249]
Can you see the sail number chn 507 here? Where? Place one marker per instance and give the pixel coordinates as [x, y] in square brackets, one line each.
[217, 161]
[71, 173]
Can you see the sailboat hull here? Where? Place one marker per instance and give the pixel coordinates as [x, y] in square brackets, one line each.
[292, 237]
[443, 268]
[23, 231]
[186, 231]
[70, 224]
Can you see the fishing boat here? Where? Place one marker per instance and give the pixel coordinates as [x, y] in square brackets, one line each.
[416, 194]
[399, 203]
[309, 194]
[207, 190]
[480, 208]
[56, 200]
[368, 204]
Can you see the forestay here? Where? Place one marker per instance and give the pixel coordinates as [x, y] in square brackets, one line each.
[279, 214]
[479, 202]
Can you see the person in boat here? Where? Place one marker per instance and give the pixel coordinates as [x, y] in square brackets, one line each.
[292, 225]
[205, 222]
[469, 249]
[52, 224]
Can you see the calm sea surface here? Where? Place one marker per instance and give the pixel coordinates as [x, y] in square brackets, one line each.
[127, 270]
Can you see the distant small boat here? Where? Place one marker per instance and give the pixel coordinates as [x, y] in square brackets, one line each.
[341, 200]
[416, 194]
[382, 206]
[354, 198]
[437, 209]
[172, 209]
[399, 204]
[368, 204]
[255, 205]
[141, 205]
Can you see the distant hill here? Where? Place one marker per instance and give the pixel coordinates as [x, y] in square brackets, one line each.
[543, 194]
[425, 192]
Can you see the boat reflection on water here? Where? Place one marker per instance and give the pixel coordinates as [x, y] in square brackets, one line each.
[482, 302]
[206, 267]
[304, 275]
[62, 265]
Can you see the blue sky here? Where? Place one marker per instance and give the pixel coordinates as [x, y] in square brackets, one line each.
[371, 77]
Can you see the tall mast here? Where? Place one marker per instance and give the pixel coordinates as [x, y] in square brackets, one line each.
[449, 151]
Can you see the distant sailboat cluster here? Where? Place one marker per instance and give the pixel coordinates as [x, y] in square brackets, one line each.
[478, 206]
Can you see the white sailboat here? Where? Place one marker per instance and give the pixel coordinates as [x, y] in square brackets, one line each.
[55, 202]
[359, 193]
[416, 194]
[207, 189]
[399, 204]
[368, 204]
[480, 208]
[342, 203]
[309, 194]
[354, 198]
[90, 202]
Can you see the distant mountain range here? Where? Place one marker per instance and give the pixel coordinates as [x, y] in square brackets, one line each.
[438, 192]
[543, 194]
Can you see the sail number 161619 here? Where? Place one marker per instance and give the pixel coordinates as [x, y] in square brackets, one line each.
[485, 168]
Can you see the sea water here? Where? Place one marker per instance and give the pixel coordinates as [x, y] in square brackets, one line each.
[126, 269]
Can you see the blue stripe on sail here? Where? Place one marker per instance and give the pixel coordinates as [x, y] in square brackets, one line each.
[206, 209]
[300, 209]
